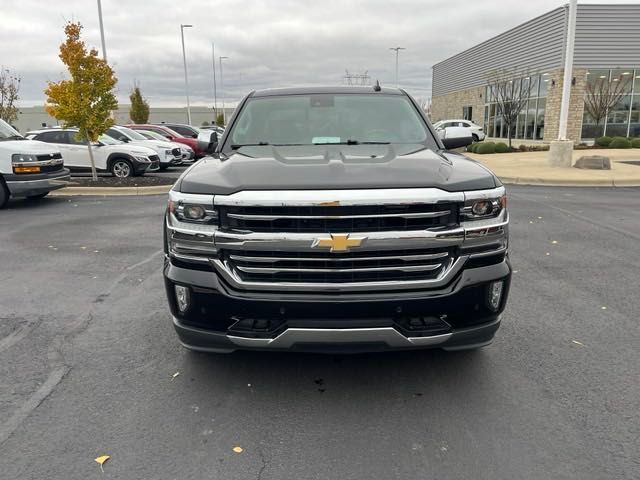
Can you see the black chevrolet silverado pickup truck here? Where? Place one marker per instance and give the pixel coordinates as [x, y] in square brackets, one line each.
[335, 220]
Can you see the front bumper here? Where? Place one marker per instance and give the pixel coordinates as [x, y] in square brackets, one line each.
[221, 319]
[36, 184]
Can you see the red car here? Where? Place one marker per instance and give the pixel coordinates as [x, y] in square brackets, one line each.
[171, 135]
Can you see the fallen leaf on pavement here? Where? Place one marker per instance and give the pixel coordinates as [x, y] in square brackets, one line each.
[238, 449]
[101, 459]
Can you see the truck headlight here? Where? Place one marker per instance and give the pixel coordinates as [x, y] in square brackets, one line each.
[192, 208]
[484, 204]
[23, 163]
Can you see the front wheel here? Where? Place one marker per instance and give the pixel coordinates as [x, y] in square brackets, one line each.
[122, 168]
[475, 138]
[4, 194]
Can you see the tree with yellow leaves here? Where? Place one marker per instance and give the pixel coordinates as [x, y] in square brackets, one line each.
[86, 100]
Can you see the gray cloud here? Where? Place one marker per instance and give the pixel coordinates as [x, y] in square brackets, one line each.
[270, 43]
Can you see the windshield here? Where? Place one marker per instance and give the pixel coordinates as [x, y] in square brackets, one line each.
[132, 134]
[329, 119]
[152, 135]
[7, 132]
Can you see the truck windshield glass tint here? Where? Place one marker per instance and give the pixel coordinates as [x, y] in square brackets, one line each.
[327, 119]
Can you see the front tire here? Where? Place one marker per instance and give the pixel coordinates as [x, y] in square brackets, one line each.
[122, 168]
[475, 138]
[4, 194]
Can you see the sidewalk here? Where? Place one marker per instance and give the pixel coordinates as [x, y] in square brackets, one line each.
[532, 168]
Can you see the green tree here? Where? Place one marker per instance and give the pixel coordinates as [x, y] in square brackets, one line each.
[9, 88]
[139, 111]
[87, 99]
[220, 120]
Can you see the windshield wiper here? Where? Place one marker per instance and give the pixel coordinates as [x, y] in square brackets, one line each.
[240, 145]
[13, 137]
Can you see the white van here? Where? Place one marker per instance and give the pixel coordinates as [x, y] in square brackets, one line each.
[28, 168]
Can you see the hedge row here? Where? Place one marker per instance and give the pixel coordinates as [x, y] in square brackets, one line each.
[617, 142]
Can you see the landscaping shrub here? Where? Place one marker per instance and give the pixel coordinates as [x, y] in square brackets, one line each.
[501, 147]
[471, 148]
[486, 147]
[523, 148]
[603, 141]
[620, 142]
[635, 143]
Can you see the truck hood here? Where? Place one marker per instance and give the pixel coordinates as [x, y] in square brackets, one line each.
[322, 167]
[27, 146]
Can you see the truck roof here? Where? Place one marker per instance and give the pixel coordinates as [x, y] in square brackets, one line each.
[325, 90]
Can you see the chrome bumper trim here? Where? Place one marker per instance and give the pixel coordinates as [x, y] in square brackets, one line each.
[292, 336]
[229, 275]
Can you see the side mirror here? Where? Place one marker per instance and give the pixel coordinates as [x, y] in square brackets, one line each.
[207, 141]
[456, 142]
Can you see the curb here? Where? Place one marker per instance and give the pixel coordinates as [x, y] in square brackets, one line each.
[111, 191]
[541, 182]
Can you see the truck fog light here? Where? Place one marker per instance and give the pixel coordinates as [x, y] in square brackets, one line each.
[183, 298]
[495, 295]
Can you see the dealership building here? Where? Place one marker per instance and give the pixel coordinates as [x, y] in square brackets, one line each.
[607, 47]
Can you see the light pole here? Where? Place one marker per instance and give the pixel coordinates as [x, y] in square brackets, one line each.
[186, 78]
[104, 46]
[215, 94]
[224, 115]
[397, 49]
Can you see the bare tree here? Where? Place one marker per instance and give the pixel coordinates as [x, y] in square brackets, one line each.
[511, 94]
[602, 94]
[9, 90]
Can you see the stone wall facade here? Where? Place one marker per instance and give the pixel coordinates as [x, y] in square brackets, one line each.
[576, 105]
[450, 106]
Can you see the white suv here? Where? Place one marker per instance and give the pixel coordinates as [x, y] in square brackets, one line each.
[110, 155]
[168, 153]
[475, 131]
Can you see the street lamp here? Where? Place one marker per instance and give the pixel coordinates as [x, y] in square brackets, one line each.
[397, 49]
[224, 115]
[215, 94]
[186, 78]
[104, 47]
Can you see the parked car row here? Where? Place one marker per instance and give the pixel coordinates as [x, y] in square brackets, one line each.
[30, 168]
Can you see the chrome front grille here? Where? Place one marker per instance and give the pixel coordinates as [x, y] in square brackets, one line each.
[339, 219]
[326, 267]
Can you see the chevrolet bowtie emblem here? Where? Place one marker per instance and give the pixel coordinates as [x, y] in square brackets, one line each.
[340, 242]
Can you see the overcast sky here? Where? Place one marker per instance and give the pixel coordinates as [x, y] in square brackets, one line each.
[270, 43]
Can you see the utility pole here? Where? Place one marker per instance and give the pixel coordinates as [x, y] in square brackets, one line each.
[397, 49]
[215, 93]
[186, 78]
[222, 93]
[104, 46]
[568, 71]
[561, 150]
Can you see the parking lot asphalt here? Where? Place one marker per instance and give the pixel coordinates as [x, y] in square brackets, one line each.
[90, 365]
